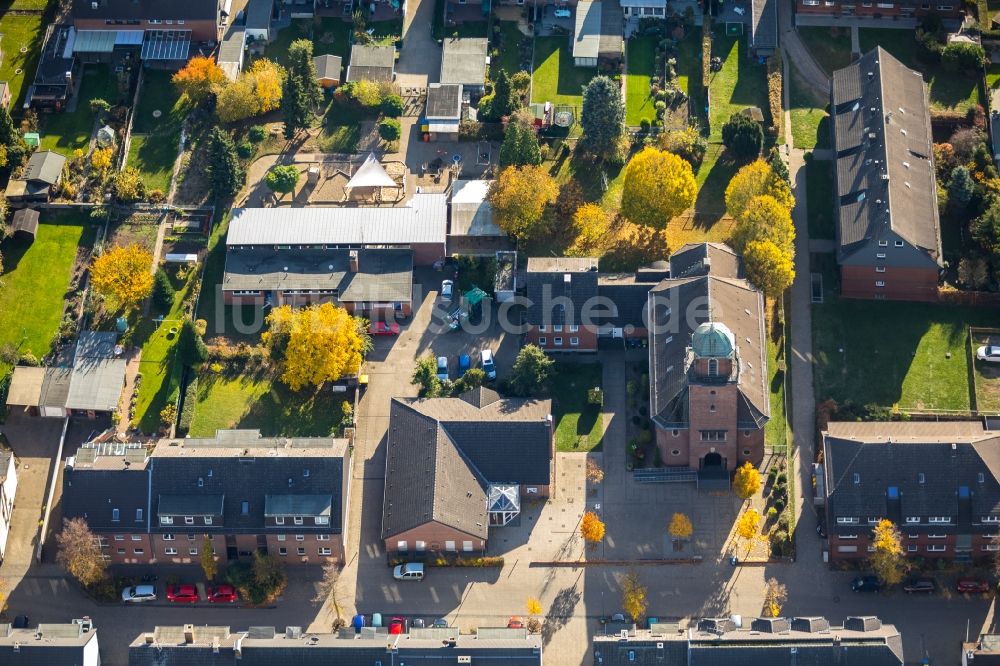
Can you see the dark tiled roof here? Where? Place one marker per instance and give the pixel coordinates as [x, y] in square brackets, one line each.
[443, 452]
[190, 505]
[885, 180]
[929, 465]
[95, 491]
[26, 220]
[629, 299]
[764, 24]
[700, 258]
[444, 101]
[384, 275]
[45, 166]
[146, 9]
[371, 63]
[258, 14]
[551, 278]
[328, 66]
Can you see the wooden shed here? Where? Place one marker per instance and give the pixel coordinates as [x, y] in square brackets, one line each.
[25, 224]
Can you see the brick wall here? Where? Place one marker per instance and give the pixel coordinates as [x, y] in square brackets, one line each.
[904, 284]
[858, 8]
[201, 30]
[586, 336]
[435, 537]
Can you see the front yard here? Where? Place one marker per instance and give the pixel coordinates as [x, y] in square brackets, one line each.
[33, 286]
[579, 426]
[641, 52]
[556, 79]
[894, 353]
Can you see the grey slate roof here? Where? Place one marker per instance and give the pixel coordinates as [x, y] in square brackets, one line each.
[190, 505]
[45, 166]
[546, 281]
[629, 298]
[678, 307]
[885, 182]
[328, 66]
[94, 487]
[755, 645]
[259, 14]
[146, 9]
[929, 465]
[297, 505]
[764, 25]
[698, 258]
[48, 644]
[25, 220]
[463, 61]
[423, 220]
[384, 275]
[371, 63]
[443, 452]
[444, 101]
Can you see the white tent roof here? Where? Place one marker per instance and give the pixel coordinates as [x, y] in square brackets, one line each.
[371, 174]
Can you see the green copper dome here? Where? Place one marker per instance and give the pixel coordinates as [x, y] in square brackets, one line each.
[711, 340]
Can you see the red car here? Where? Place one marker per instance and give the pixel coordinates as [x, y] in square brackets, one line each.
[382, 328]
[397, 625]
[182, 594]
[972, 585]
[222, 594]
[515, 623]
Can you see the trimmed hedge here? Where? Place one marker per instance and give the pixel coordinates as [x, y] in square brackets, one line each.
[187, 407]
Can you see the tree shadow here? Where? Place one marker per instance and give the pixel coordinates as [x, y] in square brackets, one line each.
[710, 202]
[560, 611]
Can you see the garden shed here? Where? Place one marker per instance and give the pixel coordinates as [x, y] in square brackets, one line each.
[24, 224]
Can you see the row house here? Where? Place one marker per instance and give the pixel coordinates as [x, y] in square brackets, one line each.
[939, 483]
[887, 10]
[240, 492]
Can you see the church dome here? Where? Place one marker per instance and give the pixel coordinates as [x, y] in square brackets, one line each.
[712, 340]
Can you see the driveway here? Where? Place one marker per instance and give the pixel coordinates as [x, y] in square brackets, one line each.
[420, 58]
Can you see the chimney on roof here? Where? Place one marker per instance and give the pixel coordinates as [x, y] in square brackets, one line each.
[189, 633]
[354, 261]
[150, 638]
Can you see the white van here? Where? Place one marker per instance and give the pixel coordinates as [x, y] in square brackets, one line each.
[409, 571]
[486, 358]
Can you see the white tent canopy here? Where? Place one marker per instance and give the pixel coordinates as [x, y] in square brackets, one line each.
[371, 174]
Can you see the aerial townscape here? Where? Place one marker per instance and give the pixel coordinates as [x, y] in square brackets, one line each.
[494, 332]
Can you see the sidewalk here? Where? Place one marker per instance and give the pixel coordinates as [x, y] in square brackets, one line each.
[799, 54]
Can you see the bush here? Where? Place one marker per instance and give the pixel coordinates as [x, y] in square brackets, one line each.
[743, 136]
[389, 129]
[257, 134]
[168, 415]
[963, 57]
[779, 505]
[244, 149]
[772, 513]
[781, 543]
[163, 291]
[774, 83]
[393, 106]
[646, 436]
[187, 409]
[595, 396]
[783, 524]
[259, 581]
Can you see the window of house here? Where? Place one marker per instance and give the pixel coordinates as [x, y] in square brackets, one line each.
[121, 551]
[114, 515]
[322, 520]
[189, 520]
[574, 342]
[883, 243]
[911, 520]
[138, 551]
[138, 515]
[880, 255]
[557, 342]
[208, 520]
[467, 546]
[136, 537]
[119, 537]
[322, 537]
[325, 551]
[899, 243]
[746, 452]
[879, 283]
[281, 537]
[991, 547]
[980, 478]
[282, 551]
[675, 433]
[542, 342]
[542, 328]
[847, 520]
[873, 521]
[937, 536]
[450, 546]
[713, 367]
[991, 519]
[421, 546]
[279, 520]
[401, 545]
[911, 548]
[300, 537]
[297, 520]
[557, 328]
[713, 435]
[937, 548]
[880, 269]
[166, 520]
[810, 3]
[573, 328]
[301, 551]
[192, 551]
[168, 537]
[675, 452]
[848, 536]
[941, 520]
[711, 408]
[191, 537]
[245, 508]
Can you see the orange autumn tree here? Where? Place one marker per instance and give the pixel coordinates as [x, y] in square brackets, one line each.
[199, 77]
[591, 529]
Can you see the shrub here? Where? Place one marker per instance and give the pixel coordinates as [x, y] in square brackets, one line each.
[779, 505]
[783, 524]
[774, 83]
[244, 149]
[392, 106]
[257, 134]
[742, 136]
[163, 291]
[168, 415]
[781, 543]
[389, 129]
[595, 396]
[646, 436]
[772, 513]
[963, 57]
[187, 409]
[781, 478]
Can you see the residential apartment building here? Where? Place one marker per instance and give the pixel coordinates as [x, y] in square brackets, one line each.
[939, 483]
[199, 19]
[242, 492]
[888, 235]
[70, 644]
[457, 467]
[709, 399]
[887, 10]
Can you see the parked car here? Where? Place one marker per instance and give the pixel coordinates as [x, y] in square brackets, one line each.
[139, 593]
[20, 622]
[182, 594]
[866, 584]
[972, 586]
[440, 623]
[489, 367]
[515, 623]
[463, 364]
[562, 12]
[409, 571]
[222, 594]
[397, 625]
[383, 328]
[447, 289]
[442, 373]
[920, 586]
[990, 353]
[418, 623]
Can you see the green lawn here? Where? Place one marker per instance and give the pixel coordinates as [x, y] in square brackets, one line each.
[810, 120]
[714, 174]
[154, 155]
[819, 198]
[641, 56]
[775, 433]
[261, 403]
[893, 353]
[741, 82]
[333, 37]
[579, 426]
[510, 53]
[33, 286]
[19, 32]
[949, 91]
[689, 70]
[65, 132]
[221, 318]
[153, 147]
[278, 49]
[556, 79]
[992, 76]
[831, 47]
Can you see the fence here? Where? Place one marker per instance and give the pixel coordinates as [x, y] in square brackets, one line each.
[963, 297]
[979, 336]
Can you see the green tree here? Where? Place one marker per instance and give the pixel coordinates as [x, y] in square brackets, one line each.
[301, 93]
[964, 58]
[163, 291]
[503, 103]
[986, 229]
[191, 349]
[520, 146]
[209, 565]
[224, 168]
[519, 198]
[743, 136]
[603, 116]
[12, 141]
[472, 379]
[282, 179]
[392, 105]
[531, 371]
[961, 190]
[127, 185]
[389, 129]
[658, 186]
[425, 375]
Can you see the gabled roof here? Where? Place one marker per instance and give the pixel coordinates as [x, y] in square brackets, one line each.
[258, 14]
[45, 166]
[551, 278]
[25, 220]
[463, 61]
[371, 63]
[328, 66]
[444, 452]
[701, 258]
[886, 187]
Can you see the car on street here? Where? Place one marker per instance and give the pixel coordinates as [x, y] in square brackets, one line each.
[464, 363]
[383, 328]
[489, 367]
[397, 625]
[442, 372]
[920, 586]
[139, 593]
[447, 289]
[866, 584]
[562, 12]
[409, 571]
[515, 622]
[989, 353]
[182, 594]
[222, 594]
[440, 623]
[972, 586]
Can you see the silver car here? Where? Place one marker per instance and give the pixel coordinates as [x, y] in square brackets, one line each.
[409, 571]
[138, 594]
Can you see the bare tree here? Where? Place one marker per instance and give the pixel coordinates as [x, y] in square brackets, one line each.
[80, 552]
[327, 587]
[775, 597]
[594, 472]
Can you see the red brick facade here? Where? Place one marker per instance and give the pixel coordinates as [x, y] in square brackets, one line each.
[894, 283]
[186, 548]
[562, 340]
[201, 30]
[941, 545]
[886, 10]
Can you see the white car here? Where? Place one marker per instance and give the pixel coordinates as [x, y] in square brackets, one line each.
[989, 353]
[409, 571]
[489, 367]
[139, 593]
[442, 368]
[562, 12]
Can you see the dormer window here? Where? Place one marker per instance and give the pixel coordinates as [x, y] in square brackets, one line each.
[940, 520]
[912, 520]
[115, 515]
[166, 520]
[279, 520]
[921, 478]
[322, 520]
[189, 520]
[857, 478]
[847, 520]
[297, 520]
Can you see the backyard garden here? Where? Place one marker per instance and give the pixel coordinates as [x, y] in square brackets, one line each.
[578, 422]
[156, 130]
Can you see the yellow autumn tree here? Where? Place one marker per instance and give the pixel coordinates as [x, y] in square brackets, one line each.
[775, 597]
[658, 186]
[746, 481]
[753, 180]
[633, 596]
[268, 77]
[769, 268]
[591, 529]
[100, 159]
[122, 275]
[315, 344]
[680, 526]
[748, 527]
[534, 606]
[888, 560]
[593, 232]
[237, 101]
[199, 77]
[764, 218]
[519, 197]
